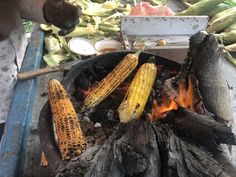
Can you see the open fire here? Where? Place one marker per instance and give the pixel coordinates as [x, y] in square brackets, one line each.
[180, 145]
[184, 99]
[154, 109]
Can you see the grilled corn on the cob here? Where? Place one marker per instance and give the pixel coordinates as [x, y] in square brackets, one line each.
[111, 81]
[70, 136]
[133, 105]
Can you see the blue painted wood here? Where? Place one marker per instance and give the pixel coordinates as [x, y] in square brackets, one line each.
[14, 142]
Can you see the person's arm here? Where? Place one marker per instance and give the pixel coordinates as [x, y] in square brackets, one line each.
[8, 10]
[56, 12]
[32, 10]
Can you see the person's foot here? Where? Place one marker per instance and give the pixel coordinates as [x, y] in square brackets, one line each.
[1, 130]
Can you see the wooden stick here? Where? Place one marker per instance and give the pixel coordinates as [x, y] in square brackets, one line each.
[35, 73]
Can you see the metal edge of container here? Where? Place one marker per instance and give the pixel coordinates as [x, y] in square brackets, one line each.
[163, 25]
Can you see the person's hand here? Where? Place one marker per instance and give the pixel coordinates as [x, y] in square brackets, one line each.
[7, 18]
[61, 14]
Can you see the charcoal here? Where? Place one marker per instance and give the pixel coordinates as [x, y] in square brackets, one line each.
[79, 95]
[98, 116]
[91, 79]
[100, 71]
[98, 68]
[44, 94]
[164, 74]
[158, 84]
[82, 82]
[90, 72]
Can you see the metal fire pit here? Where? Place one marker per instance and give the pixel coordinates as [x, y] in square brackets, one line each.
[45, 120]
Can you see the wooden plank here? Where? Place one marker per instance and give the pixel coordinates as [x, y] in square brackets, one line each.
[14, 141]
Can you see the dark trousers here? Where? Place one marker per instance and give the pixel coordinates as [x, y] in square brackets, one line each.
[1, 130]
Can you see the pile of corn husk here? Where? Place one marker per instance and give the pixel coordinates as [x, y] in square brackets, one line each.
[222, 21]
[98, 21]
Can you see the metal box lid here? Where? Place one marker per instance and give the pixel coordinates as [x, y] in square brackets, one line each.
[148, 31]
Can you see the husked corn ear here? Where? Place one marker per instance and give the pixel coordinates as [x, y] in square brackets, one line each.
[111, 81]
[222, 20]
[139, 90]
[70, 136]
[231, 47]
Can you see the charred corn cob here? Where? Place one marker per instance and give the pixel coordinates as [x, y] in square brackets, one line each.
[111, 81]
[70, 136]
[140, 88]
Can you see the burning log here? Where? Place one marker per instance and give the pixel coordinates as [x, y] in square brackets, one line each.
[211, 82]
[201, 129]
[202, 70]
[182, 144]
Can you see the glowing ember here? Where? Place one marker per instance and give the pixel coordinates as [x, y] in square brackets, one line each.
[85, 92]
[185, 99]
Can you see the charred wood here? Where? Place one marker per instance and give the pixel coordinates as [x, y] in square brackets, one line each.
[183, 144]
[211, 82]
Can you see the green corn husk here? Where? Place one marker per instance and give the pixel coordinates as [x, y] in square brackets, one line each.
[219, 8]
[230, 2]
[125, 9]
[99, 1]
[45, 27]
[227, 37]
[200, 8]
[52, 28]
[108, 27]
[96, 22]
[81, 31]
[95, 9]
[192, 1]
[222, 23]
[52, 44]
[64, 43]
[85, 19]
[230, 28]
[223, 14]
[229, 57]
[54, 59]
[231, 47]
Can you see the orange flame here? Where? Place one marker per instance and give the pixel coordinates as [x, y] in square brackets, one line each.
[185, 96]
[159, 111]
[185, 99]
